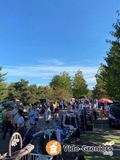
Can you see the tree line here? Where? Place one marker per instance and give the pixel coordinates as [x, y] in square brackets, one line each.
[61, 87]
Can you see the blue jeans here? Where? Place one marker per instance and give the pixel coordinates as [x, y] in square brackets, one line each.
[55, 124]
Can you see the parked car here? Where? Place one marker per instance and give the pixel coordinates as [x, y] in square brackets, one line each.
[11, 103]
[114, 115]
[116, 101]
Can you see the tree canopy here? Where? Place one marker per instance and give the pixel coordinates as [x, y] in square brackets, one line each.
[110, 74]
[61, 81]
[79, 85]
[3, 85]
[62, 87]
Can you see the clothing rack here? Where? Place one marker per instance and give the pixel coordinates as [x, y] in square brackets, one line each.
[70, 116]
[44, 130]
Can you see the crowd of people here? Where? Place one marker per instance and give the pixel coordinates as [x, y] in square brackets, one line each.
[14, 119]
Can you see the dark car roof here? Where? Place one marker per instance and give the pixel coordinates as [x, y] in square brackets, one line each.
[114, 105]
[11, 103]
[116, 101]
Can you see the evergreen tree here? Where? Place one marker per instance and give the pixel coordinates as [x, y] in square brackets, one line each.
[79, 85]
[112, 67]
[3, 86]
[108, 76]
[100, 87]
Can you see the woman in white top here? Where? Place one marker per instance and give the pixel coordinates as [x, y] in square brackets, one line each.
[15, 116]
[47, 115]
[21, 123]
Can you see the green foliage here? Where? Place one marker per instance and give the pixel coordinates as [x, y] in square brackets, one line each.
[61, 94]
[89, 94]
[60, 89]
[100, 87]
[19, 90]
[79, 85]
[109, 79]
[45, 92]
[3, 86]
[112, 67]
[61, 81]
[61, 85]
[32, 96]
[56, 82]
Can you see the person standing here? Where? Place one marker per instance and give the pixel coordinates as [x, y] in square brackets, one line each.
[95, 103]
[8, 122]
[47, 115]
[32, 115]
[107, 108]
[69, 107]
[61, 104]
[21, 123]
[36, 112]
[30, 108]
[29, 135]
[81, 110]
[15, 116]
[56, 118]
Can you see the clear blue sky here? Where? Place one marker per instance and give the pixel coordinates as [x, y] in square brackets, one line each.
[42, 38]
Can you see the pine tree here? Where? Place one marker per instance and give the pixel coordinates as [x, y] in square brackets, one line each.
[3, 86]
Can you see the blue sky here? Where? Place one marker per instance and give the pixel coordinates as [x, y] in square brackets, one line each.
[42, 38]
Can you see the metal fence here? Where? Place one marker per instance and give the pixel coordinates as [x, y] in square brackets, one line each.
[34, 156]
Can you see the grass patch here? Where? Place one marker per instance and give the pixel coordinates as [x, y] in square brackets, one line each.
[103, 125]
[101, 133]
[98, 139]
[93, 157]
[106, 128]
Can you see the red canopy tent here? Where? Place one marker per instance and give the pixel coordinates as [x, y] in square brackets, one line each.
[104, 100]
